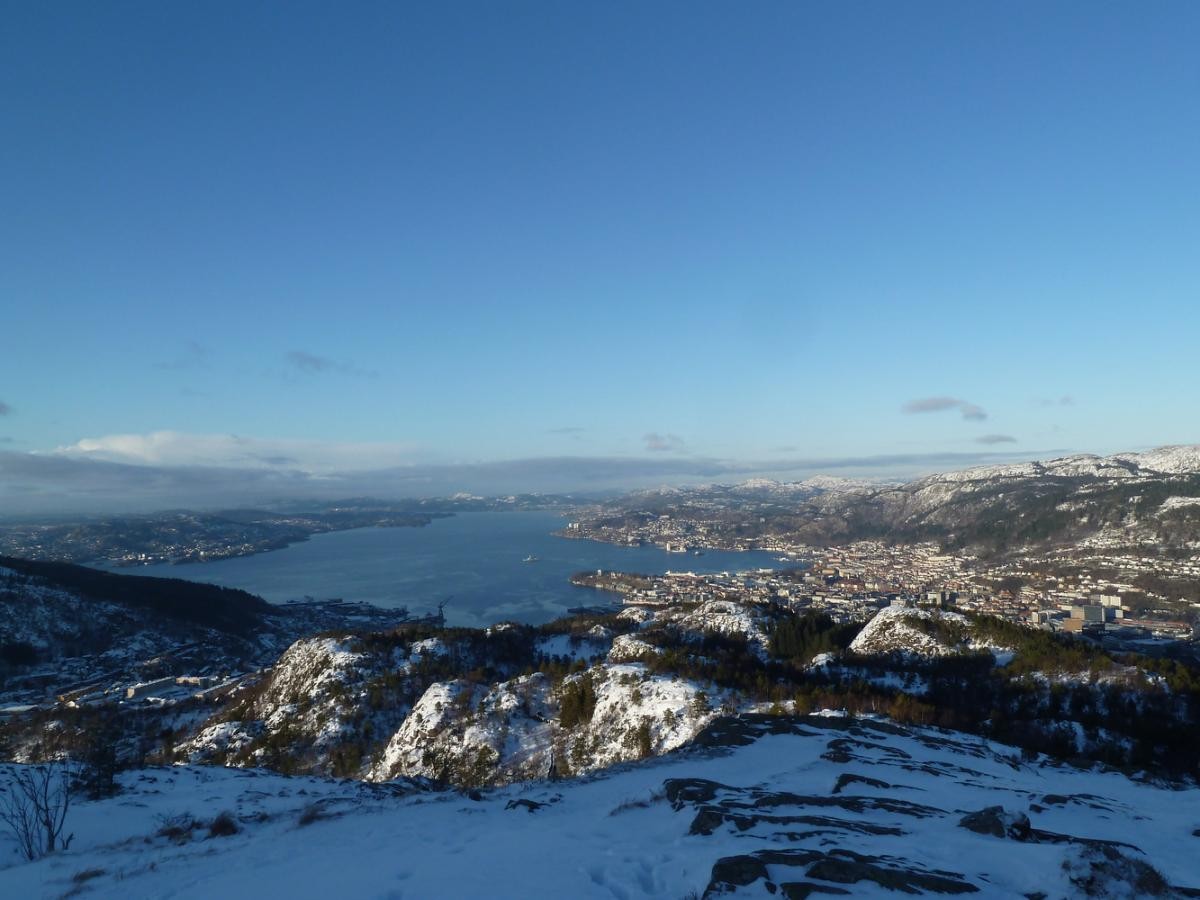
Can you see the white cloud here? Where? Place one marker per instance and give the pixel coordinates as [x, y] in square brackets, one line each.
[174, 448]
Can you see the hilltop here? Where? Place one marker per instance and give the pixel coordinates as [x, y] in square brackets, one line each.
[758, 806]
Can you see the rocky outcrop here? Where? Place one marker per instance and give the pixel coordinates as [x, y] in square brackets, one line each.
[998, 822]
[468, 735]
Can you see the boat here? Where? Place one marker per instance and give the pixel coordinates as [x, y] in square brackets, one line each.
[530, 558]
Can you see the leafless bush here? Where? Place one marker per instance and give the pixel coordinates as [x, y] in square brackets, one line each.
[177, 827]
[34, 805]
[312, 812]
[223, 825]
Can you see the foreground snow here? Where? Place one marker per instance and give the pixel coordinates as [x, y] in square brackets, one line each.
[825, 801]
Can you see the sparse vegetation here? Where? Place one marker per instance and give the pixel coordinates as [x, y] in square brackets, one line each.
[223, 825]
[177, 827]
[34, 806]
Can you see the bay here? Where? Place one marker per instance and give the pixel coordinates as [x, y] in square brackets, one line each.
[475, 559]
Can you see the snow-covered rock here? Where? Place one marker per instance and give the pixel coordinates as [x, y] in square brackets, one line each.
[630, 648]
[467, 734]
[916, 632]
[820, 804]
[726, 617]
[637, 714]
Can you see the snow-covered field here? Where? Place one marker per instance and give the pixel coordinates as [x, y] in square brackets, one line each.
[834, 803]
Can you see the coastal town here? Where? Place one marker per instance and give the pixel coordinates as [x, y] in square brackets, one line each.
[852, 582]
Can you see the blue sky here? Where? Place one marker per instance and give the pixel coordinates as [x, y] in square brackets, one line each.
[368, 236]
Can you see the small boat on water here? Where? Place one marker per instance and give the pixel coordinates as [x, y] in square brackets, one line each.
[530, 558]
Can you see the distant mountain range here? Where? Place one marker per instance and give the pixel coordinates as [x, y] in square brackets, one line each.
[1123, 499]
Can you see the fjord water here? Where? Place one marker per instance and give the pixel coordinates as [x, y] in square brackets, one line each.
[477, 559]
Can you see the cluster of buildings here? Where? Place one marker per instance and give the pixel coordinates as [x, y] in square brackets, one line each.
[850, 583]
[675, 534]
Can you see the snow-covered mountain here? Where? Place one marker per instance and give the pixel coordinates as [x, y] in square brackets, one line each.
[1062, 500]
[1116, 499]
[809, 486]
[1006, 507]
[758, 806]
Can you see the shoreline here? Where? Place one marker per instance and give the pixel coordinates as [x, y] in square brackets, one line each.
[190, 559]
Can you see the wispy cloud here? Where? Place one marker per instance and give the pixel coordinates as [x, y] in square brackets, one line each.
[663, 443]
[996, 439]
[1064, 400]
[570, 430]
[193, 356]
[941, 404]
[312, 364]
[5, 409]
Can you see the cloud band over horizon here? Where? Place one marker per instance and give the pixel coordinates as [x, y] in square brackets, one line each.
[144, 472]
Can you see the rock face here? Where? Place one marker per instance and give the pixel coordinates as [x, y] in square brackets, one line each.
[636, 714]
[383, 708]
[468, 735]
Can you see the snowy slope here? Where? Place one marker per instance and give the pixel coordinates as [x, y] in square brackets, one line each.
[921, 633]
[763, 807]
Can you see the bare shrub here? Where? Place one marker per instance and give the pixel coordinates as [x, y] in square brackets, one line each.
[177, 827]
[312, 812]
[34, 805]
[223, 825]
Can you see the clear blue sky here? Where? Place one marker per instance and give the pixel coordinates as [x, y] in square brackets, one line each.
[502, 231]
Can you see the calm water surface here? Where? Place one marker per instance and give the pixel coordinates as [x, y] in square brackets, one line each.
[475, 558]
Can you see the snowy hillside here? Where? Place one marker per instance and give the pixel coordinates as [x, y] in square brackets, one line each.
[1063, 502]
[388, 705]
[93, 635]
[762, 807]
[918, 632]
